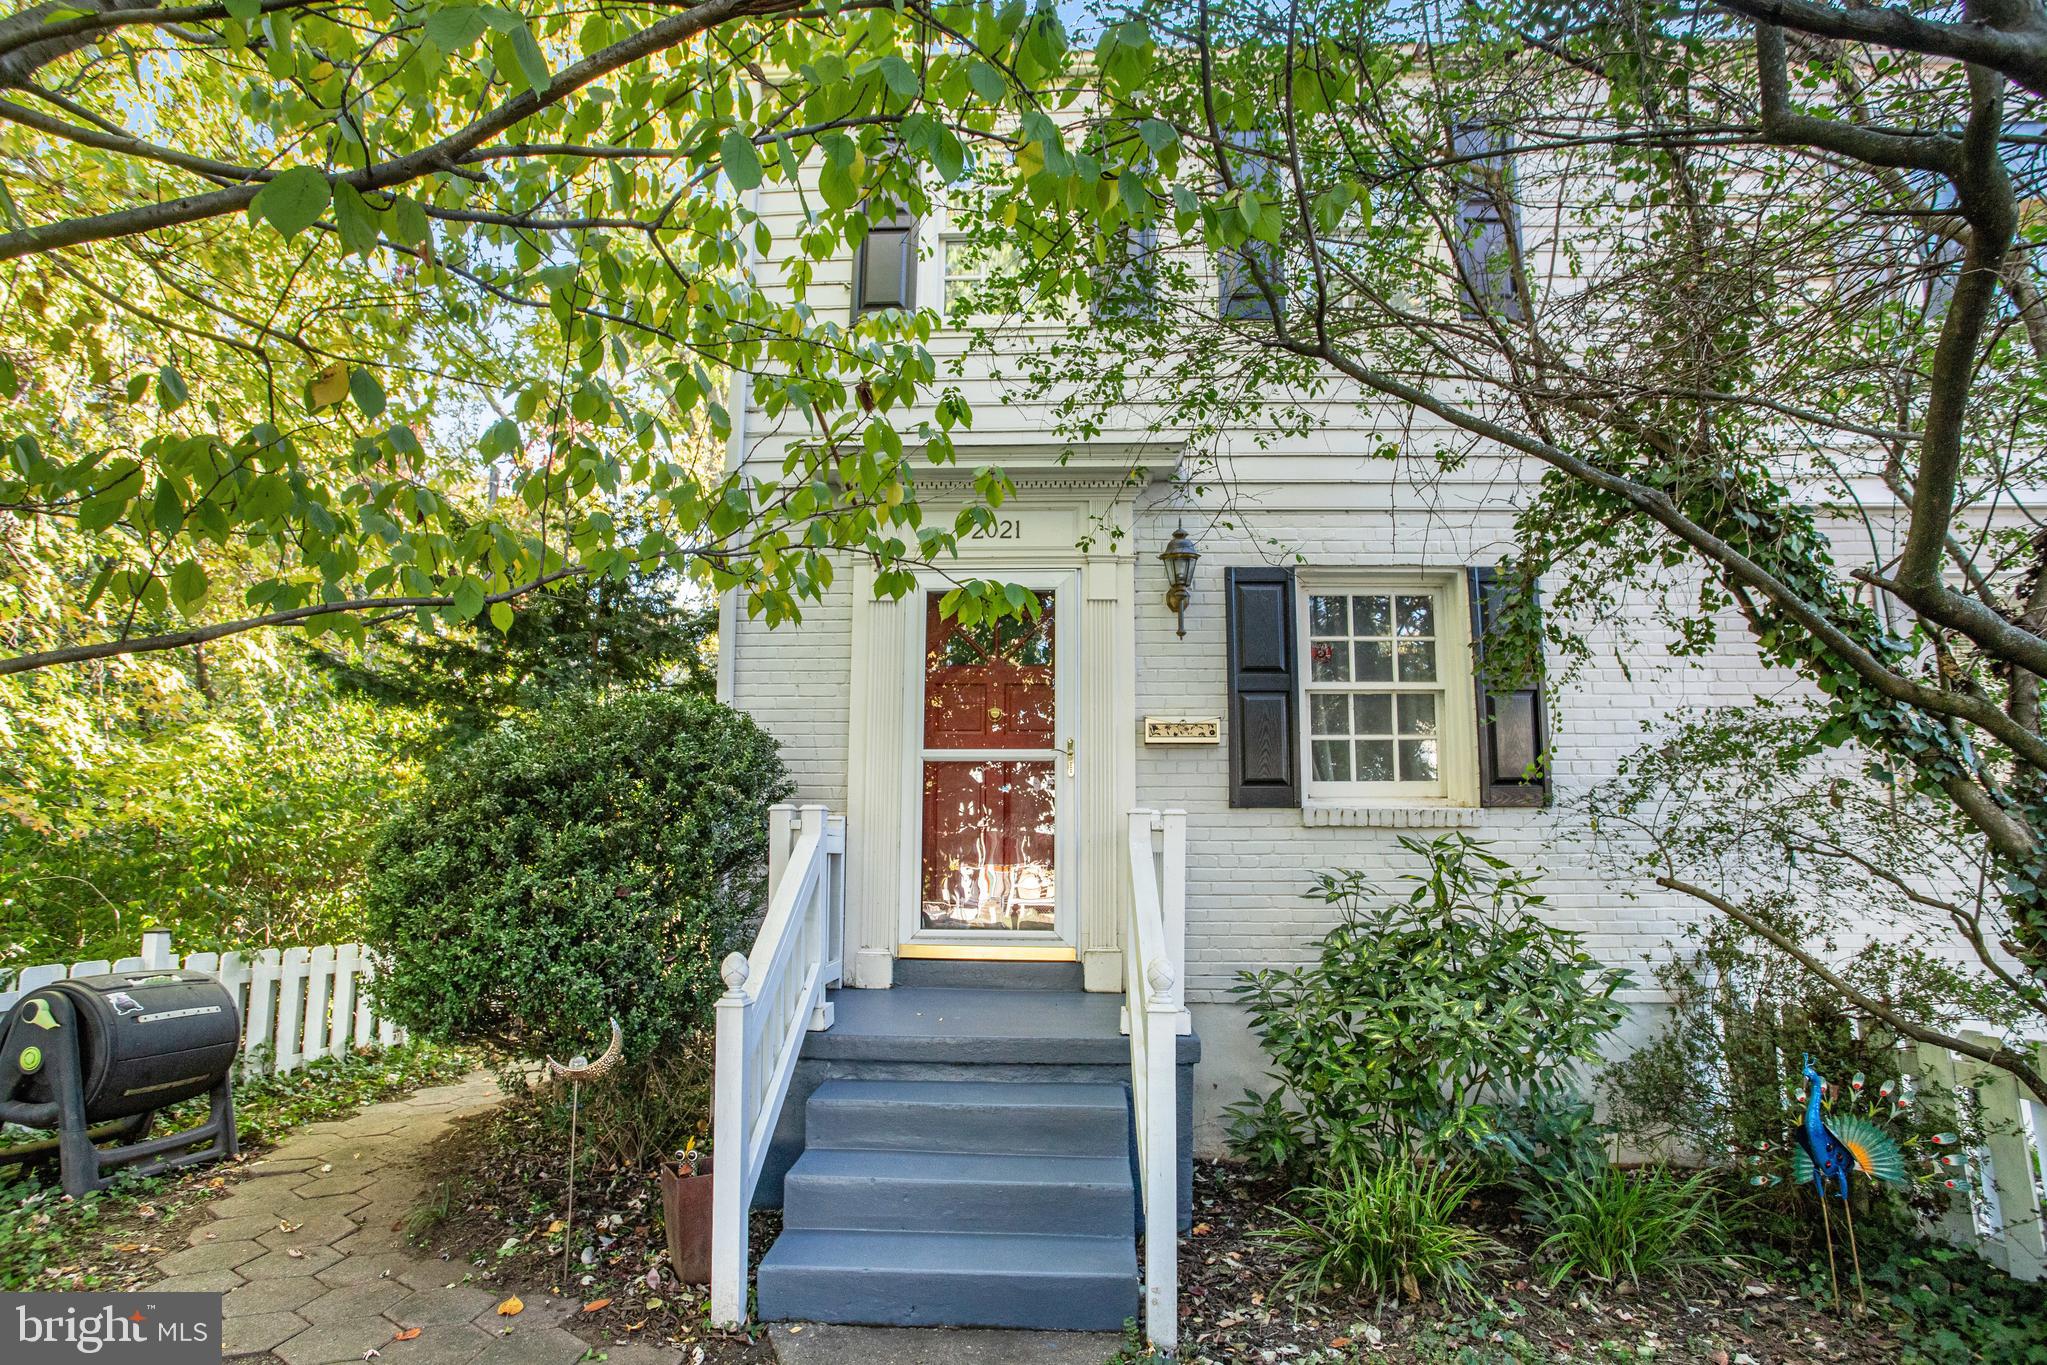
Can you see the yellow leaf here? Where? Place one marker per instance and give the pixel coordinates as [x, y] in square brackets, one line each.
[596, 1305]
[406, 1335]
[556, 1226]
[330, 385]
[511, 1306]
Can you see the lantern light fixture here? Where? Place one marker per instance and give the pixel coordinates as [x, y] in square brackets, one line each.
[1180, 557]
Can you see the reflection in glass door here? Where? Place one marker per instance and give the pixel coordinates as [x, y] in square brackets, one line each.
[990, 774]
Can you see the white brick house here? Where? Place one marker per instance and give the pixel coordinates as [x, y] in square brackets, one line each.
[984, 806]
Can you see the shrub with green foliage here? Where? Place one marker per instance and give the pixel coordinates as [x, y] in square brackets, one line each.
[587, 860]
[1387, 1228]
[1427, 1022]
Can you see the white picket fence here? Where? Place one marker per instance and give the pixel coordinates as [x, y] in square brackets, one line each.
[297, 1004]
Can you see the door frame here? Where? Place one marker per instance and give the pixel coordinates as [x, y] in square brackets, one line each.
[1062, 944]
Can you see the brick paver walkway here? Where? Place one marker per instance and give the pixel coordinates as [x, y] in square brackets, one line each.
[309, 1250]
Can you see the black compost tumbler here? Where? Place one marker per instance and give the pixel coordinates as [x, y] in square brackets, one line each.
[96, 1056]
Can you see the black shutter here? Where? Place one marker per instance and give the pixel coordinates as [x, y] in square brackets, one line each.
[1264, 743]
[1513, 736]
[1488, 223]
[885, 267]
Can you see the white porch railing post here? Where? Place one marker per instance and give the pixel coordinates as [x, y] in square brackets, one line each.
[728, 1152]
[781, 821]
[1173, 909]
[1151, 1015]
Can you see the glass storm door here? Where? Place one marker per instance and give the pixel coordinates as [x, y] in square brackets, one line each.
[991, 778]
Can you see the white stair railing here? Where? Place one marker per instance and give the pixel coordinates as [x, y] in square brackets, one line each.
[773, 996]
[1154, 939]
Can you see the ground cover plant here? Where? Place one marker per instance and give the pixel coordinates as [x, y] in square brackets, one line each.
[497, 1198]
[105, 1240]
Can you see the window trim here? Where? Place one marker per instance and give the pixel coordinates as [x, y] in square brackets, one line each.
[1456, 732]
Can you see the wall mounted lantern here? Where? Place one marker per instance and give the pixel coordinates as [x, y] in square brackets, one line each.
[1180, 557]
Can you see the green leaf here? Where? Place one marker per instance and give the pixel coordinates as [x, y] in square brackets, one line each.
[531, 62]
[367, 390]
[990, 84]
[900, 76]
[501, 617]
[188, 585]
[468, 597]
[293, 201]
[355, 218]
[454, 29]
[245, 11]
[409, 222]
[835, 182]
[171, 393]
[741, 162]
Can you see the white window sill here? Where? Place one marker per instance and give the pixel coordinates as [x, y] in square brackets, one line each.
[1386, 815]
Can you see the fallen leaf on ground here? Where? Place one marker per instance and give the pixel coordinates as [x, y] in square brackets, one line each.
[326, 1167]
[295, 1253]
[596, 1305]
[405, 1335]
[286, 1225]
[511, 1306]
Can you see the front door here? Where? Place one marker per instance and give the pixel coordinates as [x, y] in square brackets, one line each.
[991, 786]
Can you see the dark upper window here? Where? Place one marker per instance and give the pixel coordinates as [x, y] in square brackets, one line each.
[885, 267]
[1241, 268]
[1488, 222]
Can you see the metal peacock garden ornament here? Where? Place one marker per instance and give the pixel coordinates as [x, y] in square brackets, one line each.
[1831, 1144]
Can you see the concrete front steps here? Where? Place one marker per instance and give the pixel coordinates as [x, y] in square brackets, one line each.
[959, 1202]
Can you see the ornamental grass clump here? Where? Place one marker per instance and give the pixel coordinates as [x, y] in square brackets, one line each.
[1615, 1225]
[1383, 1228]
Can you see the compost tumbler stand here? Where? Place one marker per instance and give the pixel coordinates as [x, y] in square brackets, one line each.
[82, 1166]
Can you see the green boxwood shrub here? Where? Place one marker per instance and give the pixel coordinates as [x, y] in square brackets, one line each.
[591, 859]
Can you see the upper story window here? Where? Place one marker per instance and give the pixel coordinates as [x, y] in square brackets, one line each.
[1488, 223]
[967, 268]
[1250, 274]
[1385, 671]
[885, 267]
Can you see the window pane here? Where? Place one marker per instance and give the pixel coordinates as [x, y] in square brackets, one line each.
[1417, 760]
[1375, 661]
[1326, 616]
[1375, 760]
[1418, 713]
[1331, 715]
[1417, 660]
[885, 269]
[988, 685]
[988, 845]
[1417, 616]
[1374, 615]
[1329, 662]
[1375, 714]
[1332, 760]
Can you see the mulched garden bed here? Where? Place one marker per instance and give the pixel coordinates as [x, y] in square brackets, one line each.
[496, 1195]
[1233, 1310]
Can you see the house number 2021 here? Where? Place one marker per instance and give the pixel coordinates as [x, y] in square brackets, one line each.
[1004, 528]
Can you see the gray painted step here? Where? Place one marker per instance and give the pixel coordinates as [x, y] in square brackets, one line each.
[1054, 1119]
[955, 1279]
[916, 1191]
[998, 976]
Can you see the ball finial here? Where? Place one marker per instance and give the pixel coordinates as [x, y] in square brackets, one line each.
[734, 971]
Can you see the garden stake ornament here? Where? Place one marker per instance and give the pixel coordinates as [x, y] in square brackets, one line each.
[1828, 1150]
[575, 1071]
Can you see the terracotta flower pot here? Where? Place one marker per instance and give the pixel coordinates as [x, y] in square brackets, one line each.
[686, 1210]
